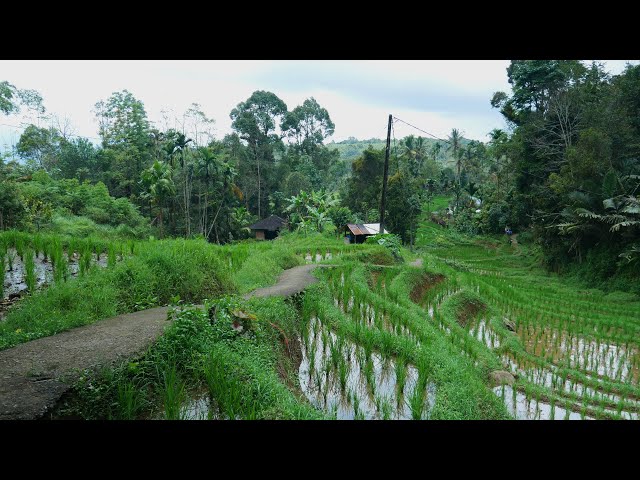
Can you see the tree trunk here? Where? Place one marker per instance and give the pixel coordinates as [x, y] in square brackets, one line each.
[259, 189]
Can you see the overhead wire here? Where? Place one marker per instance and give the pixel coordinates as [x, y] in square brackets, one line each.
[423, 131]
[497, 161]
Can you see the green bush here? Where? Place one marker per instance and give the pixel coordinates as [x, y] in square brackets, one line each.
[390, 241]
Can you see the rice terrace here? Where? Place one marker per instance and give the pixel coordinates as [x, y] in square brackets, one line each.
[166, 271]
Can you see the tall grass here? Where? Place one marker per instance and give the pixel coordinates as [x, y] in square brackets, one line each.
[161, 270]
[129, 400]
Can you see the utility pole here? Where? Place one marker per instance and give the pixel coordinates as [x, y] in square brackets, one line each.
[385, 175]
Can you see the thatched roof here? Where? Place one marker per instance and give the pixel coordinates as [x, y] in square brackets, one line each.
[271, 223]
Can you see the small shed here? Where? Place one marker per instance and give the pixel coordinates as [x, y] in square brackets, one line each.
[358, 232]
[268, 228]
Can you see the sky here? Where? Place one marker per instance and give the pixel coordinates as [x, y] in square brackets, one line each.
[434, 95]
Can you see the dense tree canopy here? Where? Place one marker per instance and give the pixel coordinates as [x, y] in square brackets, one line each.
[566, 168]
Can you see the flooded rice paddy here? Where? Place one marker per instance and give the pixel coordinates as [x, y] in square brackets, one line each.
[339, 377]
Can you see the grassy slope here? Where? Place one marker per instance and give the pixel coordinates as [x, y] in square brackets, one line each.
[252, 376]
[513, 285]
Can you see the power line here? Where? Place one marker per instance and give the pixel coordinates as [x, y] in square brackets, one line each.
[423, 131]
[395, 147]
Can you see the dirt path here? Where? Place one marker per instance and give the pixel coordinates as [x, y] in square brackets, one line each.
[291, 281]
[34, 375]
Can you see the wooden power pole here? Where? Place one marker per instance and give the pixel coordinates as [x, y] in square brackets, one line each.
[385, 175]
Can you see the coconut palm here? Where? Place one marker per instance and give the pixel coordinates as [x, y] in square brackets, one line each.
[158, 181]
[455, 146]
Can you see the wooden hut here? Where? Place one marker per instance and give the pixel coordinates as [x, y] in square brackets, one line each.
[358, 232]
[268, 228]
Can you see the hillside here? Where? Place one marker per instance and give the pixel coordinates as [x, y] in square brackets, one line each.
[352, 148]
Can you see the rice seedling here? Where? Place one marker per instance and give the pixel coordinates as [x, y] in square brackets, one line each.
[343, 372]
[111, 256]
[59, 266]
[416, 403]
[173, 393]
[11, 256]
[336, 354]
[386, 408]
[20, 247]
[226, 392]
[369, 375]
[129, 400]
[312, 360]
[85, 259]
[30, 271]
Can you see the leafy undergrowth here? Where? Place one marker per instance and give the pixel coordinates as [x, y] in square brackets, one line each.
[243, 372]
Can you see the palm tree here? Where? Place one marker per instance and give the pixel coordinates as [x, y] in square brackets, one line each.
[180, 147]
[159, 184]
[206, 166]
[435, 150]
[414, 150]
[421, 152]
[455, 145]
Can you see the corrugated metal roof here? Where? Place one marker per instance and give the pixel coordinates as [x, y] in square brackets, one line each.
[365, 228]
[374, 228]
[357, 229]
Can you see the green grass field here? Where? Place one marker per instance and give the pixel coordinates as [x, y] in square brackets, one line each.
[374, 339]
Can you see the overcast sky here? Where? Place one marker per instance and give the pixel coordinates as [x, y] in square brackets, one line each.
[435, 95]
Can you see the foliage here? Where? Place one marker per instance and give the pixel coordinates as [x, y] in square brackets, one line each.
[390, 241]
[310, 211]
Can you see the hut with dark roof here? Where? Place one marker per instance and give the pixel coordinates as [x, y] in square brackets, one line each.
[268, 228]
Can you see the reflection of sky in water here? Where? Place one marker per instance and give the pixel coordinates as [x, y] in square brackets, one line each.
[321, 382]
[14, 281]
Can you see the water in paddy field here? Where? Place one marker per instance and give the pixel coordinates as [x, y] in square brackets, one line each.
[15, 281]
[358, 387]
[199, 407]
[317, 257]
[608, 359]
[531, 409]
[480, 330]
[372, 318]
[550, 376]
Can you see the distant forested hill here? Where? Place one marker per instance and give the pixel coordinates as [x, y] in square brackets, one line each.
[352, 148]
